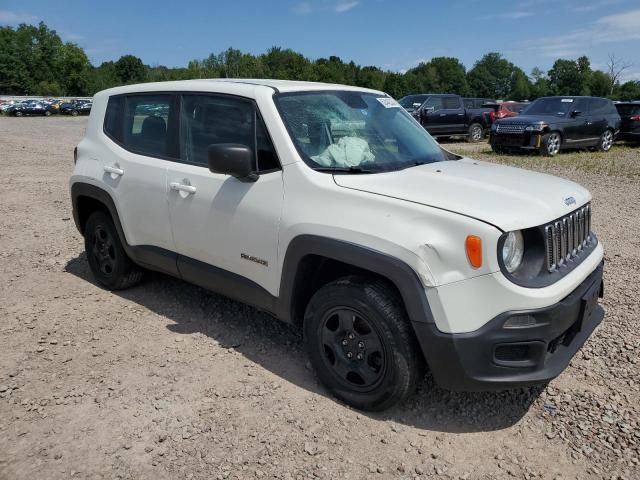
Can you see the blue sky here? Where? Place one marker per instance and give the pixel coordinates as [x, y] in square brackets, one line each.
[392, 34]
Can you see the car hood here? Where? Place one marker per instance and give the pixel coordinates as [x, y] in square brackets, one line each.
[506, 197]
[531, 119]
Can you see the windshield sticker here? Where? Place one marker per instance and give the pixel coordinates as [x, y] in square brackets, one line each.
[567, 100]
[388, 102]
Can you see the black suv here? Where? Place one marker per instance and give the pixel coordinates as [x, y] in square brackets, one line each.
[444, 115]
[551, 124]
[630, 126]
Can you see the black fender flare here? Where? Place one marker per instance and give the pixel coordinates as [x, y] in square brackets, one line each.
[396, 271]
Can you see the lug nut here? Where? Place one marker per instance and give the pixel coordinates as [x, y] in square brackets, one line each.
[359, 356]
[351, 337]
[360, 344]
[349, 355]
[345, 343]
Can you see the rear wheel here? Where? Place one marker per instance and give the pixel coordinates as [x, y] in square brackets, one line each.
[19, 113]
[74, 113]
[475, 133]
[47, 113]
[606, 141]
[550, 144]
[108, 261]
[361, 344]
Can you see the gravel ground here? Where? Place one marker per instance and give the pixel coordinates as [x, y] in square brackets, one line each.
[169, 381]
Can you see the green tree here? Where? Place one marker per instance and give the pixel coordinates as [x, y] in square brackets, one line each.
[570, 77]
[495, 77]
[629, 90]
[600, 84]
[130, 69]
[451, 75]
[73, 70]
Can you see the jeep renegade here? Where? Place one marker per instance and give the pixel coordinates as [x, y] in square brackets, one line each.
[330, 207]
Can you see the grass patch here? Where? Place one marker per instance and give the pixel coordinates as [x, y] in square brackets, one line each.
[621, 161]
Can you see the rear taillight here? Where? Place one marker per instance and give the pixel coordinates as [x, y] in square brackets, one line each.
[501, 114]
[492, 115]
[635, 118]
[75, 155]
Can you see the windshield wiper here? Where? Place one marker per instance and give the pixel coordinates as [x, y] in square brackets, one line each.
[352, 169]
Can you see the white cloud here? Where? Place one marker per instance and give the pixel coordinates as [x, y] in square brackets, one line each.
[621, 27]
[343, 6]
[335, 6]
[302, 8]
[508, 15]
[14, 17]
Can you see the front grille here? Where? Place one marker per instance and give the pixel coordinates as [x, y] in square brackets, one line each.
[510, 128]
[566, 237]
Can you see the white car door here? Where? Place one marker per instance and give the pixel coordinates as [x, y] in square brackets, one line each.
[217, 220]
[135, 164]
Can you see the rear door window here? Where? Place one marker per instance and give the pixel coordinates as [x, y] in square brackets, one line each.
[146, 124]
[451, 103]
[600, 106]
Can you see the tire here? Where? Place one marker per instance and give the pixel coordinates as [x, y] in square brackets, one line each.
[108, 261]
[47, 113]
[475, 133]
[19, 114]
[361, 344]
[74, 113]
[606, 141]
[550, 144]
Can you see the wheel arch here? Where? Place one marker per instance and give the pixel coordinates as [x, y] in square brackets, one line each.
[312, 261]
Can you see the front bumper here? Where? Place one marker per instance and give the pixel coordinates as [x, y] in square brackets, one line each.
[494, 357]
[525, 140]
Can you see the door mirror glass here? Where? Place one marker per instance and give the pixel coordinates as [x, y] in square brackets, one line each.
[428, 110]
[232, 159]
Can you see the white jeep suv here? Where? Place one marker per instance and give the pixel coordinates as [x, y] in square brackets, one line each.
[330, 207]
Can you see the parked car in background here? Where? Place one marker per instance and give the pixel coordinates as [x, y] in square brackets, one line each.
[444, 115]
[496, 111]
[29, 108]
[630, 121]
[551, 124]
[76, 109]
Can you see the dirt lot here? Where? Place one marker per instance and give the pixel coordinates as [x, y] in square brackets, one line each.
[168, 381]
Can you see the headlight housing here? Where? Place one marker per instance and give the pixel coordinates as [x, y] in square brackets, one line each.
[513, 250]
[536, 127]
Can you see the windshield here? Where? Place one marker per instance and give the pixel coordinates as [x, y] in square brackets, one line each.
[356, 132]
[558, 106]
[411, 101]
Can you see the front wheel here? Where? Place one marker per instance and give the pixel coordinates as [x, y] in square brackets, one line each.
[361, 344]
[19, 114]
[74, 113]
[606, 141]
[550, 144]
[108, 261]
[475, 133]
[47, 113]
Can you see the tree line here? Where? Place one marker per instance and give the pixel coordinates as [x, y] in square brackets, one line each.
[35, 61]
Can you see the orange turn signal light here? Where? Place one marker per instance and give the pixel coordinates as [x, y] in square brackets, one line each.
[473, 245]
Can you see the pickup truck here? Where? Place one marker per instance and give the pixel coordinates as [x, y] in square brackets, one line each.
[444, 115]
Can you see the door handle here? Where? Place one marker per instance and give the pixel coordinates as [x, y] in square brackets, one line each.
[114, 170]
[181, 187]
[442, 114]
[460, 114]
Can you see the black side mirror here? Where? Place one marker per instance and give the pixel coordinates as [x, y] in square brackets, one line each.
[576, 113]
[232, 159]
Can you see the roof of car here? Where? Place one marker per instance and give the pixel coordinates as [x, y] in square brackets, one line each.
[236, 83]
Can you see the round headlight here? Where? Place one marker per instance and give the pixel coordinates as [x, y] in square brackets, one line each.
[513, 251]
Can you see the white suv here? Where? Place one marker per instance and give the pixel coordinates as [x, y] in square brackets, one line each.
[332, 208]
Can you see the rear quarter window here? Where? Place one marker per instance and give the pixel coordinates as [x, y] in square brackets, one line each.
[113, 118]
